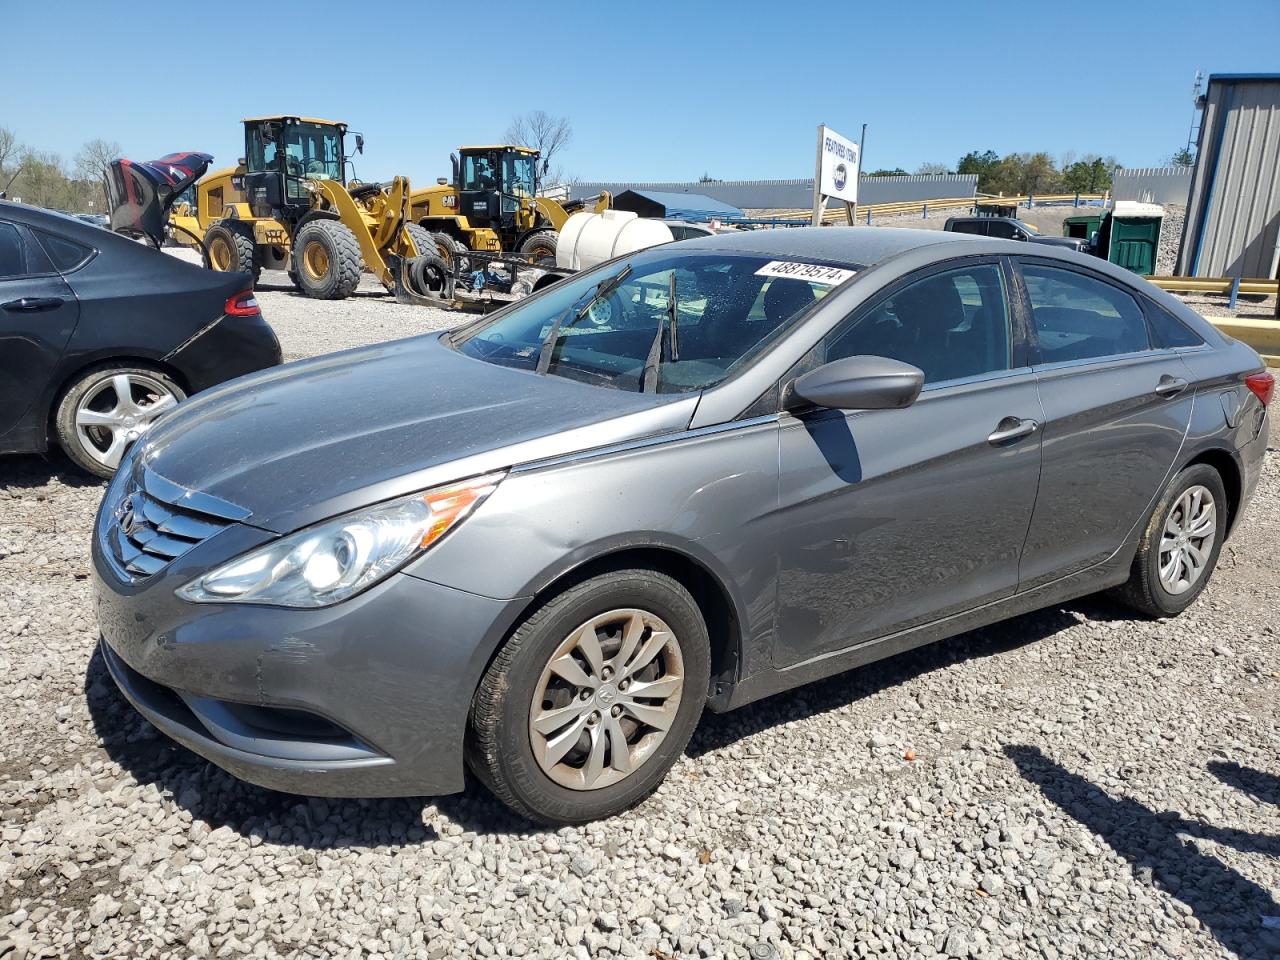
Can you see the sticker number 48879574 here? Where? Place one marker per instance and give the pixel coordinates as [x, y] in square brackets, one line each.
[812, 272]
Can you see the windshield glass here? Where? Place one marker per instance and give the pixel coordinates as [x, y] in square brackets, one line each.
[517, 174]
[478, 172]
[728, 307]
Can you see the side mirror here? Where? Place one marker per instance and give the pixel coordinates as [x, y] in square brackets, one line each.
[856, 383]
[359, 143]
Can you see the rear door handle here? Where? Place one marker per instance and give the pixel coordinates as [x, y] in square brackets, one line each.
[1010, 429]
[1170, 386]
[32, 304]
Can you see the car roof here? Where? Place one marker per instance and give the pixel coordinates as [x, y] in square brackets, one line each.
[67, 224]
[852, 245]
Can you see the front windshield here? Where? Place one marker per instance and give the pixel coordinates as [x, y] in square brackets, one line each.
[728, 307]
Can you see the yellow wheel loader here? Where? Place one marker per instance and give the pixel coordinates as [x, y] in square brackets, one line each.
[287, 205]
[493, 206]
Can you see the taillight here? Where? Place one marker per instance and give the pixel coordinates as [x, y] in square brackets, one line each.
[1262, 386]
[242, 305]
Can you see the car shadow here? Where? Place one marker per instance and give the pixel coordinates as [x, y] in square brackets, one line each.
[218, 799]
[1227, 904]
[26, 471]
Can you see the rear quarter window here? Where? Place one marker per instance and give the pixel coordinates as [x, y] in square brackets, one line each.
[67, 255]
[1169, 330]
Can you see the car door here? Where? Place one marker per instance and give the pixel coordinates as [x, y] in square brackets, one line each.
[38, 312]
[1117, 410]
[889, 519]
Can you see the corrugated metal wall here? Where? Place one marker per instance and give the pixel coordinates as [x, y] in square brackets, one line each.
[798, 194]
[1152, 184]
[1233, 216]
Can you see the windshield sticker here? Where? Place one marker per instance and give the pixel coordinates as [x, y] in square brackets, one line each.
[813, 272]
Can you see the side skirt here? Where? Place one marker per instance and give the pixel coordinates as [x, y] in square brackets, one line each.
[1110, 573]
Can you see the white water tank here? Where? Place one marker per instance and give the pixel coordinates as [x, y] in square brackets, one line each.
[591, 238]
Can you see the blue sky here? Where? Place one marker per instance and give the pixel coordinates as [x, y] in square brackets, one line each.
[655, 91]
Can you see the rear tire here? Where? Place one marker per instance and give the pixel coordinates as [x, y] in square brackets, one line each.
[523, 707]
[104, 405]
[423, 241]
[1179, 548]
[326, 260]
[229, 248]
[542, 246]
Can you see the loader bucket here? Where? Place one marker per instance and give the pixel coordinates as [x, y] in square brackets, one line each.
[139, 194]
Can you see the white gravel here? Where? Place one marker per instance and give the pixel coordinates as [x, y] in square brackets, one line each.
[1073, 783]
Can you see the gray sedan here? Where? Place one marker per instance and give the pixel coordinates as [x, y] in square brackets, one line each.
[538, 546]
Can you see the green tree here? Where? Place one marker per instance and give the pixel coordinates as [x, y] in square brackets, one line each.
[980, 163]
[932, 169]
[885, 172]
[1186, 157]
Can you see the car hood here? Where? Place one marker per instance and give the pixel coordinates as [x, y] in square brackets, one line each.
[313, 439]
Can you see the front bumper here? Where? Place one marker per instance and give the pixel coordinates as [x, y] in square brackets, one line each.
[367, 698]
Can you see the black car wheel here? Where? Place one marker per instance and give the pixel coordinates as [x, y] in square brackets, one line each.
[107, 408]
[1180, 546]
[592, 699]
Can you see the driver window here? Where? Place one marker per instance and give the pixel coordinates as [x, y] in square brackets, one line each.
[951, 325]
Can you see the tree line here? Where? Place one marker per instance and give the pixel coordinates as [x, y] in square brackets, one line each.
[45, 179]
[1018, 174]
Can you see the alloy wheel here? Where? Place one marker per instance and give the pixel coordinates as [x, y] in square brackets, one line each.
[1186, 543]
[606, 699]
[117, 410]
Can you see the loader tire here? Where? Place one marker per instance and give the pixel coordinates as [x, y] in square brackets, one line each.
[428, 275]
[422, 238]
[542, 246]
[326, 259]
[229, 248]
[452, 253]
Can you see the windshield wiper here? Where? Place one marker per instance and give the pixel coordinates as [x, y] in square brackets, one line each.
[649, 380]
[603, 289]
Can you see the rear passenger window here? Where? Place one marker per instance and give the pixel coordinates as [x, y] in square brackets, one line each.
[65, 254]
[968, 226]
[951, 325]
[1078, 317]
[1170, 331]
[19, 258]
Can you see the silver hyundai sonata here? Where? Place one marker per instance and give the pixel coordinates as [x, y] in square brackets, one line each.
[539, 545]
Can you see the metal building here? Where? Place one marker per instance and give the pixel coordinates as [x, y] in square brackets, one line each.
[1233, 210]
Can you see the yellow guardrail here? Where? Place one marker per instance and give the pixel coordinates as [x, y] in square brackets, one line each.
[1263, 335]
[1259, 287]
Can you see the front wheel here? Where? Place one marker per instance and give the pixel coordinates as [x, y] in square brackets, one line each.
[1179, 548]
[326, 260]
[592, 699]
[541, 246]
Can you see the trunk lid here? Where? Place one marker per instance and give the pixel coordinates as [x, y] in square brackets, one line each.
[140, 193]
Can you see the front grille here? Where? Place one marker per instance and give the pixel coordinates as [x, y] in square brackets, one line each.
[152, 521]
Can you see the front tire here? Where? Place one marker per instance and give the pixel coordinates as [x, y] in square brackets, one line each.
[592, 698]
[326, 259]
[1180, 546]
[541, 246]
[229, 248]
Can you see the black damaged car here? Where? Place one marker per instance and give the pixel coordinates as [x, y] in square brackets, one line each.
[100, 335]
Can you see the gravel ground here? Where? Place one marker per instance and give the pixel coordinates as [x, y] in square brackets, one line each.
[1073, 783]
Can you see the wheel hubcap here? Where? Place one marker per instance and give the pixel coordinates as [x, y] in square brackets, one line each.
[117, 410]
[1187, 541]
[606, 699]
[315, 260]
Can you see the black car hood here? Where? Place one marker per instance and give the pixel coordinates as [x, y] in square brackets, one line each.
[139, 193]
[314, 439]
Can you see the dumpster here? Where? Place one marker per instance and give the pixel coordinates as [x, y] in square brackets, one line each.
[1130, 236]
[1082, 227]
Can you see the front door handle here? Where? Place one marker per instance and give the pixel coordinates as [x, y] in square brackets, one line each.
[1170, 386]
[32, 304]
[1010, 429]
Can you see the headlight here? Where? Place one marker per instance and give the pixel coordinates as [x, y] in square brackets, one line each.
[334, 560]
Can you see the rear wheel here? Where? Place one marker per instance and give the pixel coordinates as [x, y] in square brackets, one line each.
[326, 259]
[592, 699]
[422, 238]
[107, 408]
[1179, 548]
[542, 246]
[229, 247]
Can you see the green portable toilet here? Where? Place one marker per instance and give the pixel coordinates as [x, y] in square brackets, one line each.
[1130, 236]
